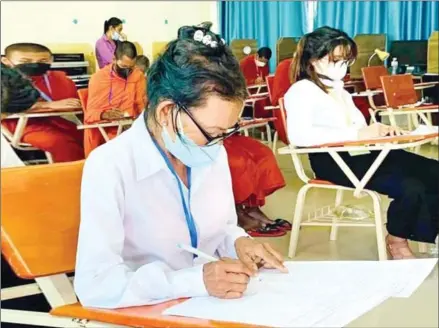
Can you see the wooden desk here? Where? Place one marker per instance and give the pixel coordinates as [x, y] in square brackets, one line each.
[419, 310]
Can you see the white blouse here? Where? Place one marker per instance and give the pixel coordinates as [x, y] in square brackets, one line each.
[315, 117]
[132, 219]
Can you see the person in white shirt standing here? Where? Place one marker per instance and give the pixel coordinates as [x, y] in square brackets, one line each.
[17, 95]
[320, 111]
[166, 181]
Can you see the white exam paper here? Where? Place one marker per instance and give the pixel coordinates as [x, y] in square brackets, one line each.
[314, 294]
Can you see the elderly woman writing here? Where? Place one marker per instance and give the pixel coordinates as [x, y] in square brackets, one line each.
[165, 182]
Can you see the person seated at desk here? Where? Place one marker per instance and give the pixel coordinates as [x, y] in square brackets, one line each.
[142, 63]
[320, 111]
[17, 95]
[55, 135]
[255, 176]
[281, 81]
[106, 45]
[115, 92]
[255, 68]
[165, 182]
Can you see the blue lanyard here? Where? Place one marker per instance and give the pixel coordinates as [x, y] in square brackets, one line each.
[47, 83]
[186, 207]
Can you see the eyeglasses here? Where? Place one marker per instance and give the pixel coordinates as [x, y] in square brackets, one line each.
[210, 140]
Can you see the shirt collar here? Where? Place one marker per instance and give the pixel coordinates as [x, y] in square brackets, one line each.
[147, 158]
[105, 39]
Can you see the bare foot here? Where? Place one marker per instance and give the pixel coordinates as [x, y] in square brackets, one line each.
[246, 221]
[256, 213]
[398, 248]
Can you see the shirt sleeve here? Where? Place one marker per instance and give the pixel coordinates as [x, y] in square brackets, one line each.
[98, 91]
[302, 131]
[103, 54]
[140, 98]
[233, 231]
[103, 279]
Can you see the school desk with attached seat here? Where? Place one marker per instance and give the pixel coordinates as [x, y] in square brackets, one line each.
[325, 216]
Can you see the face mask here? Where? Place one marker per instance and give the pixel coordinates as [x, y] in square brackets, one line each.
[33, 69]
[187, 151]
[115, 36]
[123, 72]
[260, 63]
[335, 71]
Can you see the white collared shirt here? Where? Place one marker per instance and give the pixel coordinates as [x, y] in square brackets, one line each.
[132, 219]
[8, 156]
[315, 117]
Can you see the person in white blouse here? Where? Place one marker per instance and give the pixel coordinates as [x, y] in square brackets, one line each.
[165, 182]
[320, 111]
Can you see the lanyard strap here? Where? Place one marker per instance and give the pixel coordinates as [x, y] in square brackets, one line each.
[186, 206]
[110, 94]
[43, 94]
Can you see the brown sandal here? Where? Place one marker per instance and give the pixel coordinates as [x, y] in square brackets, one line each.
[399, 250]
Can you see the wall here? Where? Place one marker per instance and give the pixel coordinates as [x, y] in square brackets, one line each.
[83, 21]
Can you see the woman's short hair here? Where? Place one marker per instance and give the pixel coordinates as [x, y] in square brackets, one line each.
[316, 45]
[193, 67]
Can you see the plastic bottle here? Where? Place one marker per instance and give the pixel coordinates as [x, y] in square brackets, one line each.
[394, 66]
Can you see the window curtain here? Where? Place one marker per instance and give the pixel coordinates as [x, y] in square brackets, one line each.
[265, 21]
[400, 20]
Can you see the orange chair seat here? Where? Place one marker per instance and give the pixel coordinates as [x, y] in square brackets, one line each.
[141, 316]
[321, 182]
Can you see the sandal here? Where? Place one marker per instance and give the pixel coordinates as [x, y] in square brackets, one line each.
[281, 224]
[267, 231]
[399, 250]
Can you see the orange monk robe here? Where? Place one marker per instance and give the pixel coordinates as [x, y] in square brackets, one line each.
[251, 72]
[106, 91]
[55, 135]
[254, 170]
[281, 82]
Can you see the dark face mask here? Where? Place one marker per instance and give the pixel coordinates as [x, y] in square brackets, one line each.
[33, 69]
[123, 72]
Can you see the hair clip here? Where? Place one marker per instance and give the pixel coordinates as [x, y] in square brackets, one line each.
[223, 42]
[198, 35]
[214, 44]
[207, 39]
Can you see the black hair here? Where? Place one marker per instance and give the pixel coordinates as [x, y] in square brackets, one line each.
[142, 60]
[26, 47]
[112, 22]
[315, 46]
[192, 67]
[264, 52]
[125, 48]
[17, 93]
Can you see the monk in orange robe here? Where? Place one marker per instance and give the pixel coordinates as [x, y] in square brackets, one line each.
[255, 68]
[115, 92]
[281, 81]
[255, 175]
[55, 135]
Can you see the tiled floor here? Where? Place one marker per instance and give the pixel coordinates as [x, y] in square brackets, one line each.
[421, 310]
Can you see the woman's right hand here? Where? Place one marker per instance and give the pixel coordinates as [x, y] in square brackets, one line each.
[226, 278]
[377, 130]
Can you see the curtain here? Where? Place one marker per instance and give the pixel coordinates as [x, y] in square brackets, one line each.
[265, 21]
[400, 20]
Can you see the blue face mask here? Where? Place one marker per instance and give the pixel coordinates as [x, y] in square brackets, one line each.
[187, 151]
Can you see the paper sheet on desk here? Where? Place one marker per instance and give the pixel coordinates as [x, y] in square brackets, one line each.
[423, 129]
[314, 294]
